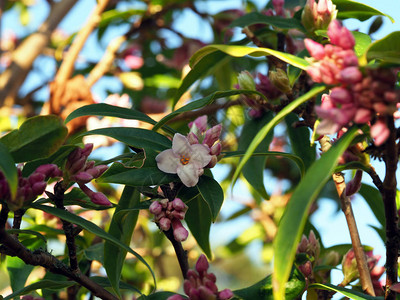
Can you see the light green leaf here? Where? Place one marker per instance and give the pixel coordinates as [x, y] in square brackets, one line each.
[27, 231]
[362, 42]
[212, 193]
[259, 18]
[386, 49]
[264, 131]
[37, 137]
[240, 51]
[9, 170]
[374, 199]
[351, 9]
[345, 292]
[18, 272]
[91, 227]
[121, 227]
[48, 284]
[294, 218]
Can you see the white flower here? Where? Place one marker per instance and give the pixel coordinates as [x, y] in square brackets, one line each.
[184, 159]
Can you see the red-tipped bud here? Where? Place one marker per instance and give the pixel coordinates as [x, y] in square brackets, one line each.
[379, 132]
[175, 297]
[315, 49]
[341, 95]
[202, 264]
[192, 138]
[206, 293]
[49, 170]
[306, 269]
[100, 199]
[212, 135]
[211, 286]
[36, 177]
[350, 75]
[200, 123]
[225, 294]
[77, 165]
[355, 184]
[362, 116]
[87, 149]
[179, 205]
[180, 232]
[216, 149]
[39, 187]
[155, 208]
[340, 36]
[82, 177]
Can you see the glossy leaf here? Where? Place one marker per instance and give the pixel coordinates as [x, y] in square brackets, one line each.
[136, 137]
[253, 170]
[104, 282]
[212, 193]
[259, 18]
[362, 42]
[18, 272]
[91, 227]
[95, 252]
[386, 49]
[374, 199]
[240, 51]
[203, 102]
[37, 137]
[198, 218]
[296, 213]
[48, 284]
[351, 294]
[7, 167]
[268, 127]
[351, 9]
[121, 227]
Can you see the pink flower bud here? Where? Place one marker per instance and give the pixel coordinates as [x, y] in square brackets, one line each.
[200, 122]
[314, 72]
[362, 116]
[216, 149]
[180, 232]
[97, 171]
[379, 132]
[341, 95]
[36, 177]
[340, 36]
[133, 61]
[350, 75]
[49, 170]
[211, 276]
[87, 149]
[179, 205]
[77, 165]
[187, 286]
[211, 286]
[192, 138]
[355, 184]
[225, 294]
[155, 208]
[165, 224]
[315, 49]
[212, 135]
[100, 199]
[38, 188]
[202, 264]
[306, 269]
[83, 177]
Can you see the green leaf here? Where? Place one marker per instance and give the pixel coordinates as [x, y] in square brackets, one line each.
[18, 272]
[374, 199]
[48, 284]
[159, 296]
[136, 137]
[114, 15]
[7, 167]
[351, 9]
[91, 227]
[203, 102]
[198, 218]
[212, 193]
[104, 282]
[240, 51]
[27, 231]
[362, 42]
[37, 137]
[95, 252]
[259, 18]
[345, 292]
[121, 227]
[300, 140]
[294, 218]
[262, 290]
[266, 129]
[386, 49]
[253, 170]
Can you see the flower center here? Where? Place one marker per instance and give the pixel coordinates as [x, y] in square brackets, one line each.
[184, 160]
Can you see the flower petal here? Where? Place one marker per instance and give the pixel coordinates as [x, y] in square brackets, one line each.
[167, 161]
[180, 145]
[189, 174]
[200, 155]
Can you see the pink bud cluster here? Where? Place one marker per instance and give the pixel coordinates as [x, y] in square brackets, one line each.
[360, 98]
[318, 15]
[31, 187]
[311, 247]
[199, 134]
[82, 171]
[170, 213]
[200, 285]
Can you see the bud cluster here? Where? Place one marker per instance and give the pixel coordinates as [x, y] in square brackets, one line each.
[170, 213]
[311, 247]
[199, 134]
[28, 188]
[200, 285]
[82, 171]
[317, 16]
[360, 98]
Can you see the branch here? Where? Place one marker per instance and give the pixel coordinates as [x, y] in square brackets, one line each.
[26, 53]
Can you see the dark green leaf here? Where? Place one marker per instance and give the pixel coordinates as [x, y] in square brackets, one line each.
[27, 231]
[95, 252]
[159, 296]
[374, 199]
[259, 18]
[104, 282]
[198, 219]
[351, 9]
[136, 137]
[37, 137]
[91, 227]
[345, 292]
[7, 167]
[212, 193]
[18, 272]
[121, 227]
[48, 284]
[296, 213]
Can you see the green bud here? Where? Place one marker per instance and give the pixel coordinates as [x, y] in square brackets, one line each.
[280, 79]
[246, 81]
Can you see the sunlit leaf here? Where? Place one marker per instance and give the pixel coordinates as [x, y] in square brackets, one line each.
[7, 167]
[352, 9]
[351, 294]
[386, 49]
[212, 193]
[48, 284]
[259, 18]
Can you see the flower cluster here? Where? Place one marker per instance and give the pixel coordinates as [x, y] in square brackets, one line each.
[360, 98]
[82, 171]
[28, 188]
[318, 15]
[170, 213]
[190, 155]
[310, 247]
[200, 285]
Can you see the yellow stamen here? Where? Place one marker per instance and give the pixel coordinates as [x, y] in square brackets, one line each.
[185, 160]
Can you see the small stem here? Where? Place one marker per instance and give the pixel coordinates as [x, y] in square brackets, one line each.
[4, 216]
[181, 254]
[18, 219]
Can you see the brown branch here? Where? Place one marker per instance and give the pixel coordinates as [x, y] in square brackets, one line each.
[389, 201]
[26, 53]
[67, 67]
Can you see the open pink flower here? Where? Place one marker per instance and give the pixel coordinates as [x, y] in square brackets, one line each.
[184, 159]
